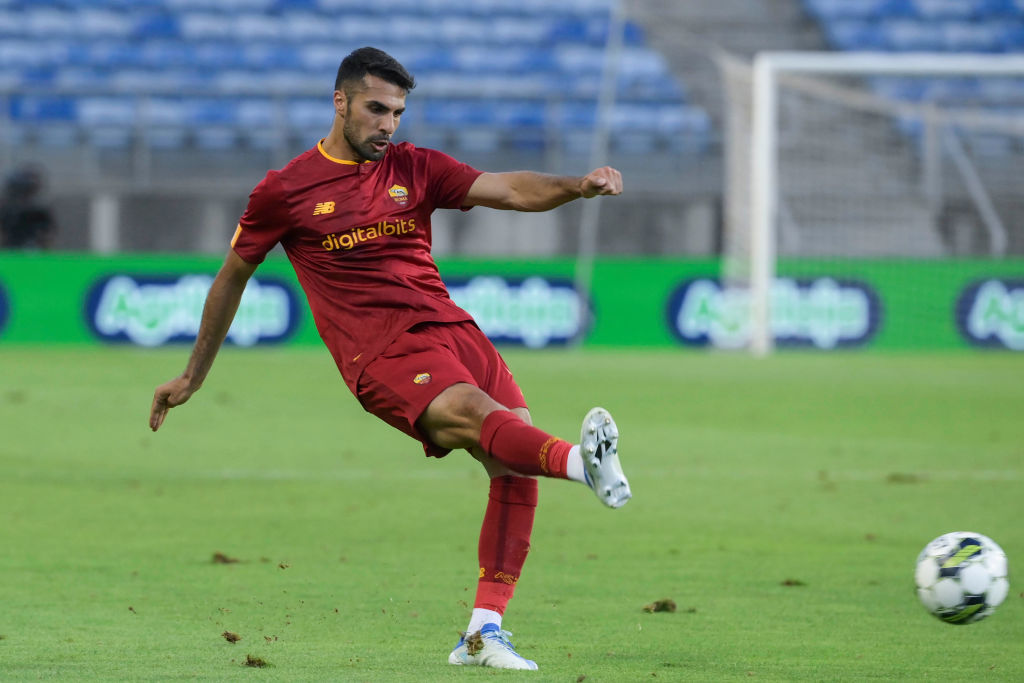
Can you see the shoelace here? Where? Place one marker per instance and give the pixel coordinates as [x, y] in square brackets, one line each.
[504, 637]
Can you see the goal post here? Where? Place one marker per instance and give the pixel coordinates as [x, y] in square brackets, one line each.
[827, 148]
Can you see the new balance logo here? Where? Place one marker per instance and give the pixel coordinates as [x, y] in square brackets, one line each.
[323, 207]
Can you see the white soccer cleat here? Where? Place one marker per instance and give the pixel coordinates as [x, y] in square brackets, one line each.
[490, 646]
[599, 448]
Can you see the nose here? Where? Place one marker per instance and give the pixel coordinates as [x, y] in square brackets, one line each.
[388, 124]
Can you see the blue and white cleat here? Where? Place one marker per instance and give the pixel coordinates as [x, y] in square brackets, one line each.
[599, 447]
[490, 646]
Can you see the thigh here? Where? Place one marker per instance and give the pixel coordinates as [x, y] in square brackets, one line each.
[399, 384]
[488, 368]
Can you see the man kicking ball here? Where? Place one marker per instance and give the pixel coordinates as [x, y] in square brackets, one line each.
[353, 216]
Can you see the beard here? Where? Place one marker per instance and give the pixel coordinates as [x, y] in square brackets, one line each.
[364, 148]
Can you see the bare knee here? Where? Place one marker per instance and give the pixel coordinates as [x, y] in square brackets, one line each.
[454, 418]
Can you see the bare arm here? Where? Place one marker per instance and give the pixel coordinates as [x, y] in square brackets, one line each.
[530, 191]
[219, 311]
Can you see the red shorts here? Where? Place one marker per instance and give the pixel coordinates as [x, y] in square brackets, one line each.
[399, 384]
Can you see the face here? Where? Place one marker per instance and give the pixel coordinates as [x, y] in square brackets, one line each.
[371, 114]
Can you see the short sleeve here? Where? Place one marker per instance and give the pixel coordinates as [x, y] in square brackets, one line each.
[450, 179]
[264, 222]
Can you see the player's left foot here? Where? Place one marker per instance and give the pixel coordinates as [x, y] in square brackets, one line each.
[490, 646]
[599, 447]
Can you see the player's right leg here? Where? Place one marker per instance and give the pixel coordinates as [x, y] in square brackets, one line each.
[464, 416]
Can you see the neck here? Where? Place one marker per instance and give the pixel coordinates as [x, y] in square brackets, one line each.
[337, 146]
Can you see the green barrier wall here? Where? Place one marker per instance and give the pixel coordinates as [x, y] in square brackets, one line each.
[46, 296]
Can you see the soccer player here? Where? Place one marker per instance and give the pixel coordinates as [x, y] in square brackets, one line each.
[353, 216]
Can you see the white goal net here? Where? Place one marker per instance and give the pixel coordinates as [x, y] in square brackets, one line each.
[839, 164]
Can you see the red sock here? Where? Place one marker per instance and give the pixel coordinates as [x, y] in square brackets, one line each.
[504, 540]
[522, 447]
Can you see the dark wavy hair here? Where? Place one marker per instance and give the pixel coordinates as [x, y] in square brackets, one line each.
[370, 60]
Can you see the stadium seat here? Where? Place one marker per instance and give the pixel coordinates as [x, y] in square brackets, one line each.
[966, 36]
[166, 54]
[107, 111]
[908, 35]
[42, 108]
[156, 25]
[854, 34]
[945, 9]
[305, 27]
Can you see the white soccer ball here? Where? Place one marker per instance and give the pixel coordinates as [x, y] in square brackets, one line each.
[962, 577]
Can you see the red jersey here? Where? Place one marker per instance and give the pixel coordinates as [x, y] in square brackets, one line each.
[358, 236]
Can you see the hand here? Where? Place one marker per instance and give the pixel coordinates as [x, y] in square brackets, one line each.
[167, 396]
[604, 180]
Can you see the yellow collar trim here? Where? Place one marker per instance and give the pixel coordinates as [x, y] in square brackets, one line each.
[320, 146]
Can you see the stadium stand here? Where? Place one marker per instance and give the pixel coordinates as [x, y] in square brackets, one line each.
[204, 74]
[691, 35]
[943, 26]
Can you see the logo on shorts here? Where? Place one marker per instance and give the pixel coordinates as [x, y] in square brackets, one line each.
[422, 378]
[399, 194]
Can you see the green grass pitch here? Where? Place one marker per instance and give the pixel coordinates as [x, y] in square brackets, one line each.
[780, 503]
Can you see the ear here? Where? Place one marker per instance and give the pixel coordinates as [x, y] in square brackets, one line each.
[340, 103]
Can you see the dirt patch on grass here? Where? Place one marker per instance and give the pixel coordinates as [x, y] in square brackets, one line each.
[221, 558]
[663, 605]
[256, 662]
[905, 478]
[231, 637]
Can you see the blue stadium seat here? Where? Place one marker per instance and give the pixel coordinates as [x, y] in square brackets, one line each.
[109, 122]
[82, 79]
[107, 111]
[987, 36]
[219, 5]
[1008, 91]
[196, 26]
[215, 55]
[829, 10]
[156, 25]
[519, 114]
[1013, 35]
[855, 35]
[900, 89]
[256, 28]
[307, 114]
[457, 114]
[166, 54]
[304, 27]
[47, 23]
[945, 9]
[908, 35]
[11, 23]
[103, 23]
[112, 54]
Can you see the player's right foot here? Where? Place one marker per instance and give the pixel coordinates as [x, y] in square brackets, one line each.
[599, 447]
[490, 646]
